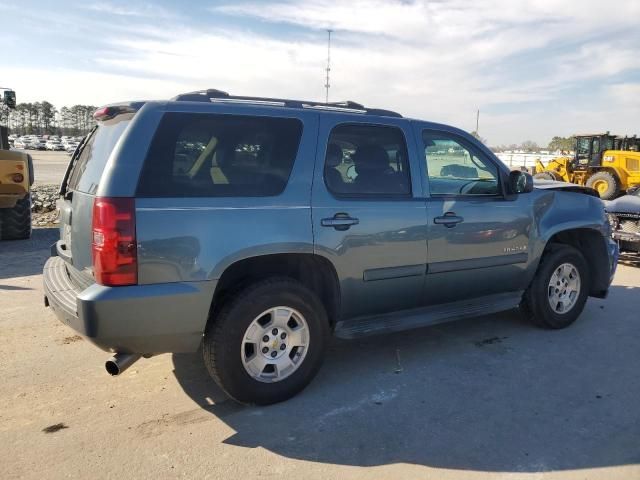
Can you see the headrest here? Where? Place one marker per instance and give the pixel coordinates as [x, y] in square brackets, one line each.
[334, 155]
[428, 142]
[371, 157]
[225, 155]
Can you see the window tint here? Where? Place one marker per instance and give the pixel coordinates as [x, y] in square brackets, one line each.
[199, 155]
[608, 143]
[454, 169]
[89, 166]
[583, 148]
[364, 160]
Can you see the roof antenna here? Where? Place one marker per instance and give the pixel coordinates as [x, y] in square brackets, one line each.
[327, 85]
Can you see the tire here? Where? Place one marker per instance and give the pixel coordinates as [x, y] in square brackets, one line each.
[226, 351]
[547, 175]
[15, 223]
[605, 183]
[536, 302]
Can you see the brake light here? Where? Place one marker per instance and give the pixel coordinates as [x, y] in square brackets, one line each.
[115, 258]
[107, 113]
[102, 113]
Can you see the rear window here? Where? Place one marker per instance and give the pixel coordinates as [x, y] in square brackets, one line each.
[88, 168]
[202, 155]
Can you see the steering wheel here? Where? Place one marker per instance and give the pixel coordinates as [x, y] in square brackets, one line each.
[467, 187]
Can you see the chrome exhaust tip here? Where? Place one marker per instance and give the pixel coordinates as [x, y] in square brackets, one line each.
[120, 362]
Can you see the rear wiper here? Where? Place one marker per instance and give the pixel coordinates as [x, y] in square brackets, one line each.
[63, 186]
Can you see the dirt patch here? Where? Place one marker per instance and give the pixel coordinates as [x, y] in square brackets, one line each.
[54, 428]
[152, 428]
[72, 339]
[489, 341]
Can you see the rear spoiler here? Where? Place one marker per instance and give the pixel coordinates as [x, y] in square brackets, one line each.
[112, 110]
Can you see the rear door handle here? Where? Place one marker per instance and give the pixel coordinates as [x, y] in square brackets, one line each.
[340, 221]
[449, 220]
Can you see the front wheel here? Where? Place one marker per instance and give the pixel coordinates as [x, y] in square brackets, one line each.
[559, 291]
[605, 183]
[267, 342]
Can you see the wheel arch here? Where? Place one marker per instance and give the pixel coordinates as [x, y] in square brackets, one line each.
[313, 271]
[591, 243]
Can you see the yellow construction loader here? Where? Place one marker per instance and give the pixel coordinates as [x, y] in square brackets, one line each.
[16, 178]
[608, 164]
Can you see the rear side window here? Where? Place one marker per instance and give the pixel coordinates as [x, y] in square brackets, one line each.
[202, 155]
[367, 161]
[88, 168]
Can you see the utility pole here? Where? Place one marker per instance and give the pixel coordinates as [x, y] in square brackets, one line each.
[328, 69]
[477, 122]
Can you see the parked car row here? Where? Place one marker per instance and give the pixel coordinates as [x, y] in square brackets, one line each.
[45, 142]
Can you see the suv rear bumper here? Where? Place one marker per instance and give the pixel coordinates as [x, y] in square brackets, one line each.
[144, 319]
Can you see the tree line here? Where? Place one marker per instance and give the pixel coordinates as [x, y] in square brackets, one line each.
[557, 143]
[43, 118]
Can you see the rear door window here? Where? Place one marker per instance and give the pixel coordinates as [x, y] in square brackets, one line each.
[367, 161]
[86, 173]
[202, 155]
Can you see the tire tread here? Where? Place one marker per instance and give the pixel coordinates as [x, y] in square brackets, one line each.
[221, 317]
[530, 306]
[15, 223]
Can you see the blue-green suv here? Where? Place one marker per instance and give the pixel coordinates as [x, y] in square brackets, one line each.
[256, 227]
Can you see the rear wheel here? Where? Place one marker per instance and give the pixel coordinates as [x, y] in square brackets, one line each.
[15, 223]
[267, 342]
[558, 292]
[605, 183]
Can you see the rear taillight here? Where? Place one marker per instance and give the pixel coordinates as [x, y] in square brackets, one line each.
[115, 259]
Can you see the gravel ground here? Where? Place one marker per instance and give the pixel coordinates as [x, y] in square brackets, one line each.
[43, 205]
[479, 399]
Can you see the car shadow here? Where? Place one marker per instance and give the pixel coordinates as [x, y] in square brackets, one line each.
[489, 394]
[21, 258]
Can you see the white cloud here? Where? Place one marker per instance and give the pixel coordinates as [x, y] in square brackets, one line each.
[438, 60]
[148, 10]
[72, 86]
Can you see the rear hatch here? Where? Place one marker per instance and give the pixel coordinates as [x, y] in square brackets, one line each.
[78, 192]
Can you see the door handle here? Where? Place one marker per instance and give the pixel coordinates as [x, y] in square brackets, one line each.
[340, 221]
[449, 220]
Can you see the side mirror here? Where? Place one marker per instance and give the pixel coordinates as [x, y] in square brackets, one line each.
[10, 98]
[520, 182]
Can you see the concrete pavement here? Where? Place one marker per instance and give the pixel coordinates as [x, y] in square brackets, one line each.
[478, 399]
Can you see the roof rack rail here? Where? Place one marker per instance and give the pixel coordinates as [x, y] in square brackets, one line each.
[213, 95]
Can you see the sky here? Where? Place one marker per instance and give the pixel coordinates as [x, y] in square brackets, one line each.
[534, 69]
